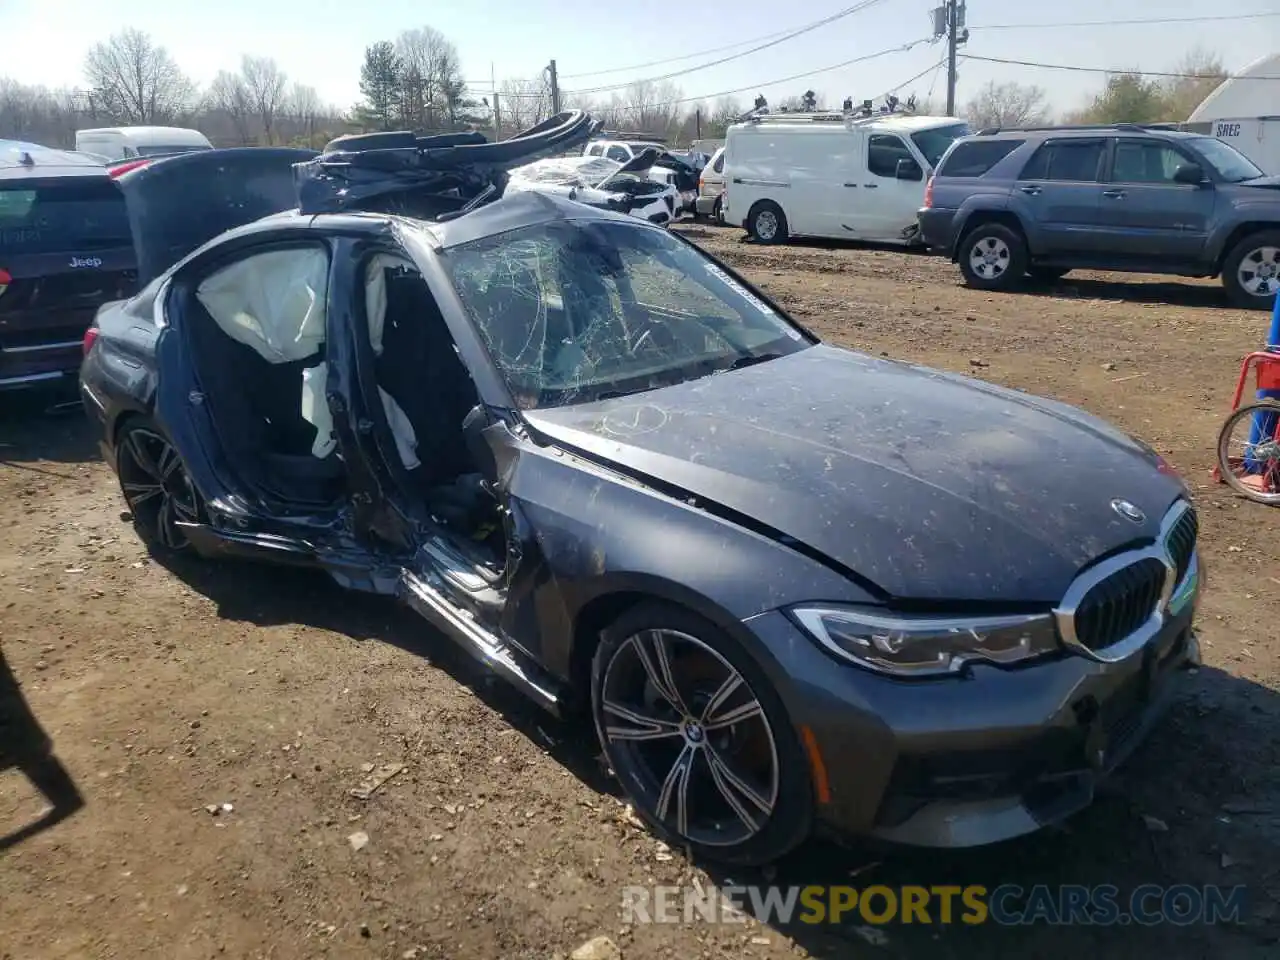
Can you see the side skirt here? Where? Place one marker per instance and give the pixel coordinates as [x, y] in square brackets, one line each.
[480, 643]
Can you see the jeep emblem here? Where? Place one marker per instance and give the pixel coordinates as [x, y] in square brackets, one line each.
[86, 262]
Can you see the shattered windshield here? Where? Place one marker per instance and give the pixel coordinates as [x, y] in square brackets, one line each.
[574, 311]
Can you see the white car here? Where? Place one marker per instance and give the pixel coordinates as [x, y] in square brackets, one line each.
[669, 168]
[603, 183]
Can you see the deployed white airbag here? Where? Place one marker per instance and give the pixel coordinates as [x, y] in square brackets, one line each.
[273, 302]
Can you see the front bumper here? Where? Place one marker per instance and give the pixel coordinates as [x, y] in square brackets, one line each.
[974, 759]
[935, 228]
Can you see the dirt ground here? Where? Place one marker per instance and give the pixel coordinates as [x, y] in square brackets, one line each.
[170, 689]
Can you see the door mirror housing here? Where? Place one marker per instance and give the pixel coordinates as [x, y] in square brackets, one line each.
[908, 170]
[1189, 173]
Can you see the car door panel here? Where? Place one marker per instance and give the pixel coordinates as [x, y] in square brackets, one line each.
[1144, 214]
[1060, 192]
[887, 205]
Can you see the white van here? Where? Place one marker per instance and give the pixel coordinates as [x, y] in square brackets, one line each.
[121, 143]
[833, 175]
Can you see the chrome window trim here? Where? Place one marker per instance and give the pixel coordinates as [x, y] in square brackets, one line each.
[1065, 613]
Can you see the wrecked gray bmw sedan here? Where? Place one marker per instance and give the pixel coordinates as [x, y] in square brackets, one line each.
[792, 586]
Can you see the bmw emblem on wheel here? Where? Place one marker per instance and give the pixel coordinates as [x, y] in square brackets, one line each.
[1128, 510]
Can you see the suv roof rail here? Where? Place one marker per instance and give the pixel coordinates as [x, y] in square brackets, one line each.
[991, 131]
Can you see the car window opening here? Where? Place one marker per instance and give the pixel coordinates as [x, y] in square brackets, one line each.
[578, 311]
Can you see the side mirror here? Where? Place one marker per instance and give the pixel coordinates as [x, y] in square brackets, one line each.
[908, 170]
[1189, 173]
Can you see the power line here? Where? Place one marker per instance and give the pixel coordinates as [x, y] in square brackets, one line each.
[1122, 23]
[1113, 71]
[932, 66]
[797, 76]
[838, 15]
[685, 56]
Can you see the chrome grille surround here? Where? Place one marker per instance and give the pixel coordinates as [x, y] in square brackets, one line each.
[1161, 550]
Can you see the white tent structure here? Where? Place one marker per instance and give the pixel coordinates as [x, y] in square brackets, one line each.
[1244, 111]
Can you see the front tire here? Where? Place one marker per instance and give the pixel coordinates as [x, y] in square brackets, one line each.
[698, 737]
[156, 486]
[1251, 271]
[767, 223]
[993, 257]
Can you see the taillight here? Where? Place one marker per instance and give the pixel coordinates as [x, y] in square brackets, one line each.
[928, 194]
[700, 184]
[5, 280]
[90, 338]
[126, 167]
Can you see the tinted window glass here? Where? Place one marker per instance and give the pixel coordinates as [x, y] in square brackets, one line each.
[976, 158]
[1232, 165]
[1070, 160]
[718, 166]
[883, 153]
[573, 311]
[618, 153]
[1145, 161]
[62, 216]
[932, 144]
[159, 150]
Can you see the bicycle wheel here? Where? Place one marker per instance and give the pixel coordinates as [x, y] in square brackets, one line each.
[1249, 452]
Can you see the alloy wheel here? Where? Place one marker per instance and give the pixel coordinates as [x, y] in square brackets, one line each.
[688, 738]
[157, 488]
[1259, 272]
[989, 258]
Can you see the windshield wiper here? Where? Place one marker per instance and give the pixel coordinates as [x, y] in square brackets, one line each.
[751, 360]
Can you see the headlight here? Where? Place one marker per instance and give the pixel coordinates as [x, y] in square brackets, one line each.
[922, 646]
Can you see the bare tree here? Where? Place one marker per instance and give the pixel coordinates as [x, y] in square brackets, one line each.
[431, 77]
[1007, 105]
[37, 113]
[136, 80]
[1203, 73]
[265, 83]
[304, 107]
[524, 103]
[230, 94]
[651, 107]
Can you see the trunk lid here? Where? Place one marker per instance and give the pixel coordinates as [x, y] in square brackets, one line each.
[177, 204]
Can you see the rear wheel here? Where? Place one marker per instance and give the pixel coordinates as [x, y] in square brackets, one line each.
[993, 257]
[717, 212]
[1249, 452]
[1251, 271]
[698, 737]
[767, 223]
[156, 486]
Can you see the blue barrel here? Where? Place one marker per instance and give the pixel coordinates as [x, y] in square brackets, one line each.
[1264, 424]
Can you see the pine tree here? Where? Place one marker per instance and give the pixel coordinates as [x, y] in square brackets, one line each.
[380, 86]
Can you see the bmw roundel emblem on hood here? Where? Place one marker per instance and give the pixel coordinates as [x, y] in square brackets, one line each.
[1128, 510]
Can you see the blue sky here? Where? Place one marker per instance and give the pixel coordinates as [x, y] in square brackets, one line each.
[44, 41]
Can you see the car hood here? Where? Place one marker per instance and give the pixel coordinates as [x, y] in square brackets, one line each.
[1268, 183]
[932, 487]
[179, 203]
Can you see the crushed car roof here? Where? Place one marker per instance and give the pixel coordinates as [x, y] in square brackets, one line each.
[21, 159]
[178, 204]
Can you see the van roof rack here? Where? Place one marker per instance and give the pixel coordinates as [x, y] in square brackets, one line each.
[823, 116]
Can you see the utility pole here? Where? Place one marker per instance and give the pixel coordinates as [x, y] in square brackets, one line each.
[697, 122]
[950, 19]
[497, 116]
[555, 89]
